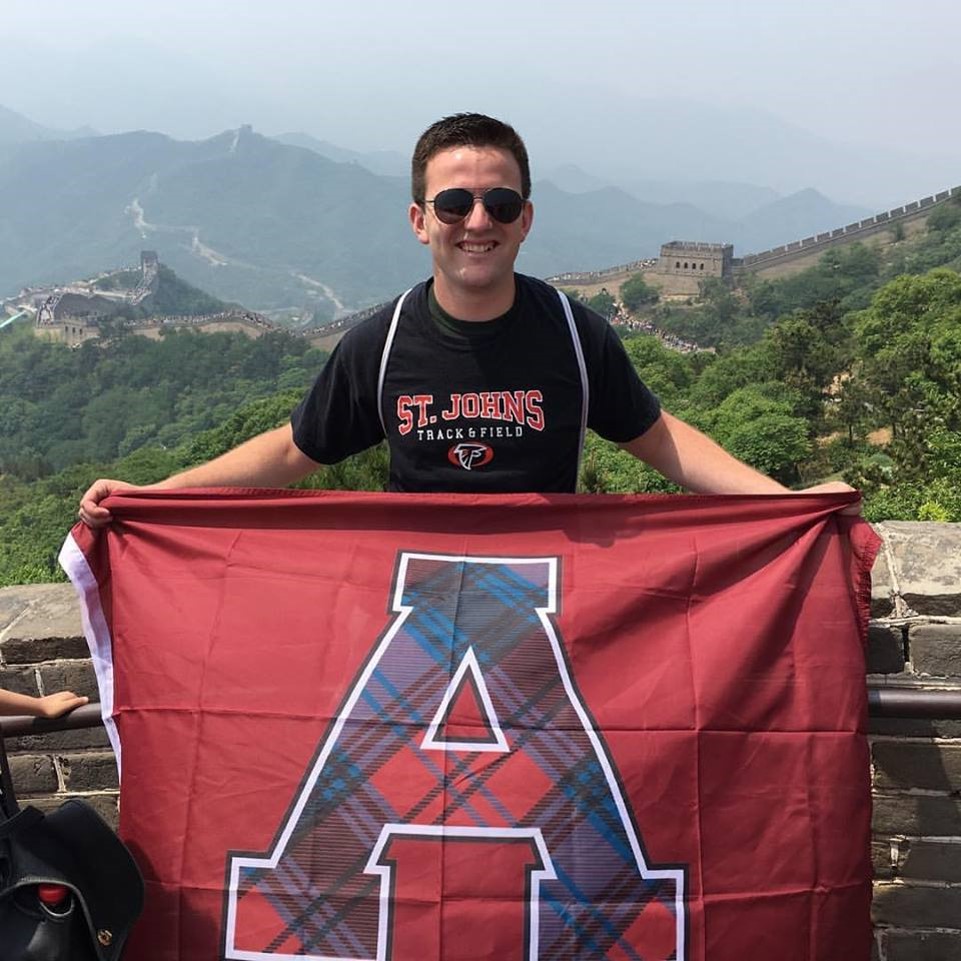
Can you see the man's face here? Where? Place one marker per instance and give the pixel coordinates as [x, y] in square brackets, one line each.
[476, 255]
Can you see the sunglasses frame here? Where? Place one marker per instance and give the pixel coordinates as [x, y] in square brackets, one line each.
[448, 216]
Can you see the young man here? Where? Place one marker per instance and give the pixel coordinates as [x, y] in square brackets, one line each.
[482, 380]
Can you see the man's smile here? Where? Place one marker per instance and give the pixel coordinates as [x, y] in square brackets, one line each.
[473, 247]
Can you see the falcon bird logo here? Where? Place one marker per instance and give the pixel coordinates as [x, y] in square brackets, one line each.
[470, 456]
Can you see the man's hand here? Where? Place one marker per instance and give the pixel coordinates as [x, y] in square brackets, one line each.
[91, 513]
[835, 487]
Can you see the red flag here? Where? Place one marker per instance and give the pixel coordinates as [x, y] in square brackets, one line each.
[508, 727]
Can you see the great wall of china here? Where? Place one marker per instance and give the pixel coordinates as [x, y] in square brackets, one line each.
[786, 258]
[72, 313]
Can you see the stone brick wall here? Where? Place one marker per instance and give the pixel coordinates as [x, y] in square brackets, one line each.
[42, 649]
[914, 642]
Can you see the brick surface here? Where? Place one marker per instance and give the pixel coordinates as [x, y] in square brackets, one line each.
[21, 650]
[33, 774]
[76, 676]
[12, 605]
[882, 590]
[89, 772]
[904, 905]
[881, 860]
[885, 649]
[935, 649]
[914, 727]
[927, 561]
[51, 611]
[932, 767]
[20, 680]
[59, 741]
[897, 815]
[921, 945]
[931, 861]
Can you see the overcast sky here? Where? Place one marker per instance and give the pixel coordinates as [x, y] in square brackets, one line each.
[370, 74]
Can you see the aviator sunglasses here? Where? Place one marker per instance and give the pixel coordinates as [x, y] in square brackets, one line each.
[453, 205]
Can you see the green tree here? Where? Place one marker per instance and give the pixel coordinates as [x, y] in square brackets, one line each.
[603, 304]
[637, 293]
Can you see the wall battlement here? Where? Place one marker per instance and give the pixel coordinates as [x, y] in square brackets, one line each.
[859, 230]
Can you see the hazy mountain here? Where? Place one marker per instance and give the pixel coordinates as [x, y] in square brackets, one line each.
[386, 163]
[799, 215]
[683, 141]
[723, 199]
[15, 129]
[269, 224]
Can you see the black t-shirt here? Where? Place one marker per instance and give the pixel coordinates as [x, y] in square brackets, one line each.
[492, 407]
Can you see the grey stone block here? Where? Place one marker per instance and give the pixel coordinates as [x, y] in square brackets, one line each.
[881, 860]
[76, 676]
[906, 765]
[58, 741]
[898, 815]
[935, 649]
[33, 774]
[89, 772]
[885, 649]
[914, 727]
[882, 589]
[927, 562]
[20, 680]
[22, 650]
[903, 905]
[921, 946]
[12, 605]
[931, 861]
[51, 611]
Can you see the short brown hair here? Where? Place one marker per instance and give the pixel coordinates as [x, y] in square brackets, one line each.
[466, 130]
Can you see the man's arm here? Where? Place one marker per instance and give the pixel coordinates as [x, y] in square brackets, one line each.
[271, 459]
[689, 458]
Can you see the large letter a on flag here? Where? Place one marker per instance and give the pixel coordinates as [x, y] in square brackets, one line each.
[462, 804]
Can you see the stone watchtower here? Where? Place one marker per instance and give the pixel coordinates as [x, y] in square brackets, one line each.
[683, 266]
[684, 259]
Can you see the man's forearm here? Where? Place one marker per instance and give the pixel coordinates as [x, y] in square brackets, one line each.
[271, 459]
[689, 458]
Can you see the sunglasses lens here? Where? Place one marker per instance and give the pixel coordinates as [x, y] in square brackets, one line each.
[503, 204]
[453, 205]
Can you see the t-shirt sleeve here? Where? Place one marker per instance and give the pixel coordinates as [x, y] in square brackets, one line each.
[622, 406]
[338, 416]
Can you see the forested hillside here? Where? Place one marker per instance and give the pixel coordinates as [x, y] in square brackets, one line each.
[850, 370]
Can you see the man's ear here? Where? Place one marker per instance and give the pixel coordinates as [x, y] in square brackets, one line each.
[418, 222]
[527, 219]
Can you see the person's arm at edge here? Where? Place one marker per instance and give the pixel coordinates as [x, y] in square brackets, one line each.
[689, 458]
[271, 459]
[50, 705]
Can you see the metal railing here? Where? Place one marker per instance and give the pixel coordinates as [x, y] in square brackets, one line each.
[884, 700]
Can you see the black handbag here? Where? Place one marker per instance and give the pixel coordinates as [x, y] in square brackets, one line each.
[69, 889]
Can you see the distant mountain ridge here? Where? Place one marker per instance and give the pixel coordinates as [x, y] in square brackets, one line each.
[15, 128]
[271, 224]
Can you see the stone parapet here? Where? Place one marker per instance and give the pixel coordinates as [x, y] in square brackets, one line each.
[914, 642]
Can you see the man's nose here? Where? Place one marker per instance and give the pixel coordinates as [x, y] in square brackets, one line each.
[478, 217]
